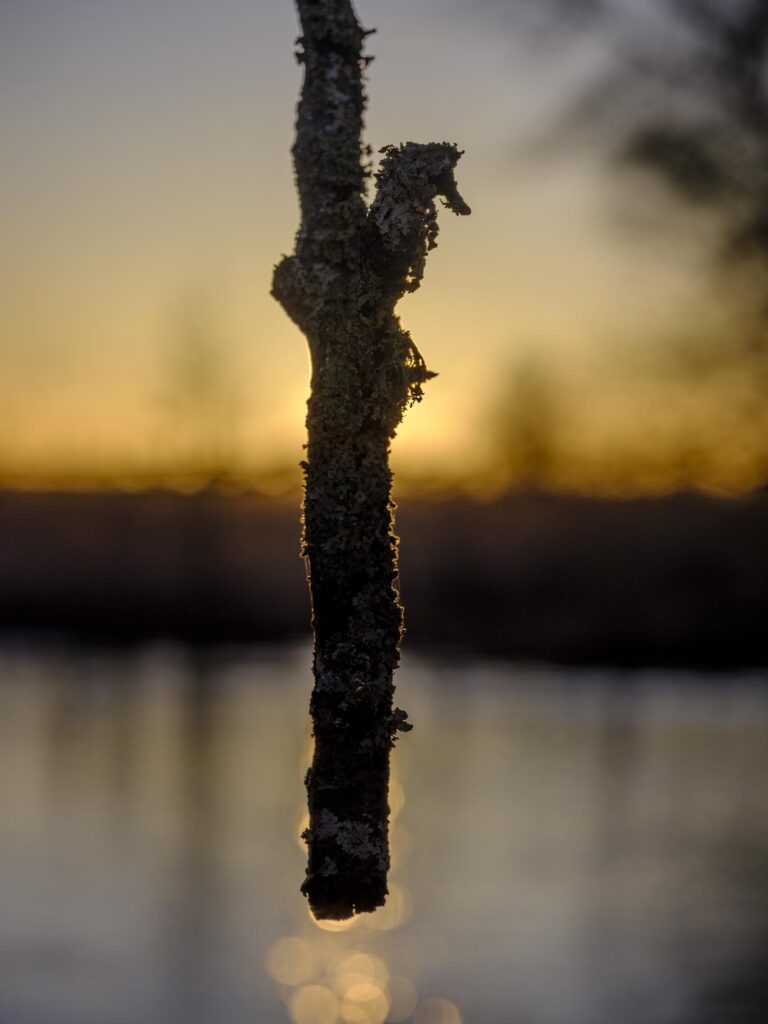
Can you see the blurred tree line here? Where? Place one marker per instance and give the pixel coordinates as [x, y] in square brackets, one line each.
[684, 102]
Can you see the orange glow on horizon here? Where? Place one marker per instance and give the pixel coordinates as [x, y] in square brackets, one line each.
[139, 342]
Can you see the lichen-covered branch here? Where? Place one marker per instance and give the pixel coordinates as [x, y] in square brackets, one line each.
[350, 267]
[403, 214]
[329, 173]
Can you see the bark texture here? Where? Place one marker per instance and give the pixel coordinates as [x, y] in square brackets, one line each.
[351, 264]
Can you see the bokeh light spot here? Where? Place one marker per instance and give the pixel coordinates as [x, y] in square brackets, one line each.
[365, 1002]
[403, 998]
[358, 968]
[399, 844]
[333, 926]
[314, 1004]
[302, 825]
[396, 798]
[437, 1011]
[292, 962]
[396, 910]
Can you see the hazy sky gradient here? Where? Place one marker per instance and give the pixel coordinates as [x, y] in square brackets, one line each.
[147, 183]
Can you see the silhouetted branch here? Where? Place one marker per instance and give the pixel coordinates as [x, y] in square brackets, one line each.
[350, 267]
[403, 213]
[329, 173]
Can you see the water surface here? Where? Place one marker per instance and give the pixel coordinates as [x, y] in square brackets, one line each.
[569, 848]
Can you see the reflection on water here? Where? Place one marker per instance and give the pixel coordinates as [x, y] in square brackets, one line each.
[567, 848]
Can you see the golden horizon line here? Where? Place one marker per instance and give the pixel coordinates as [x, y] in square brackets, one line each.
[283, 481]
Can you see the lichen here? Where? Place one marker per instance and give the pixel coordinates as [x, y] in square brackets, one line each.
[355, 838]
[350, 267]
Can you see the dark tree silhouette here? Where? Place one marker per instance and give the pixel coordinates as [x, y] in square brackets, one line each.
[351, 265]
[685, 102]
[714, 149]
[687, 98]
[709, 144]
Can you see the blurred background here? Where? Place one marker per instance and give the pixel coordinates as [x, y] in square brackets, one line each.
[579, 829]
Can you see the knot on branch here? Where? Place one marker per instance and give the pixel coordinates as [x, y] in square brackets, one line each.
[403, 213]
[289, 288]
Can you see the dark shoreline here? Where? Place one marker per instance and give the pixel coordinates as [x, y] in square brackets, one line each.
[679, 581]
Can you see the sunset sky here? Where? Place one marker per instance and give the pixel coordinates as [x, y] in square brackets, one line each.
[147, 193]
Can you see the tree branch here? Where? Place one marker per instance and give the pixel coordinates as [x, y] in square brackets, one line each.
[327, 156]
[403, 214]
[341, 287]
